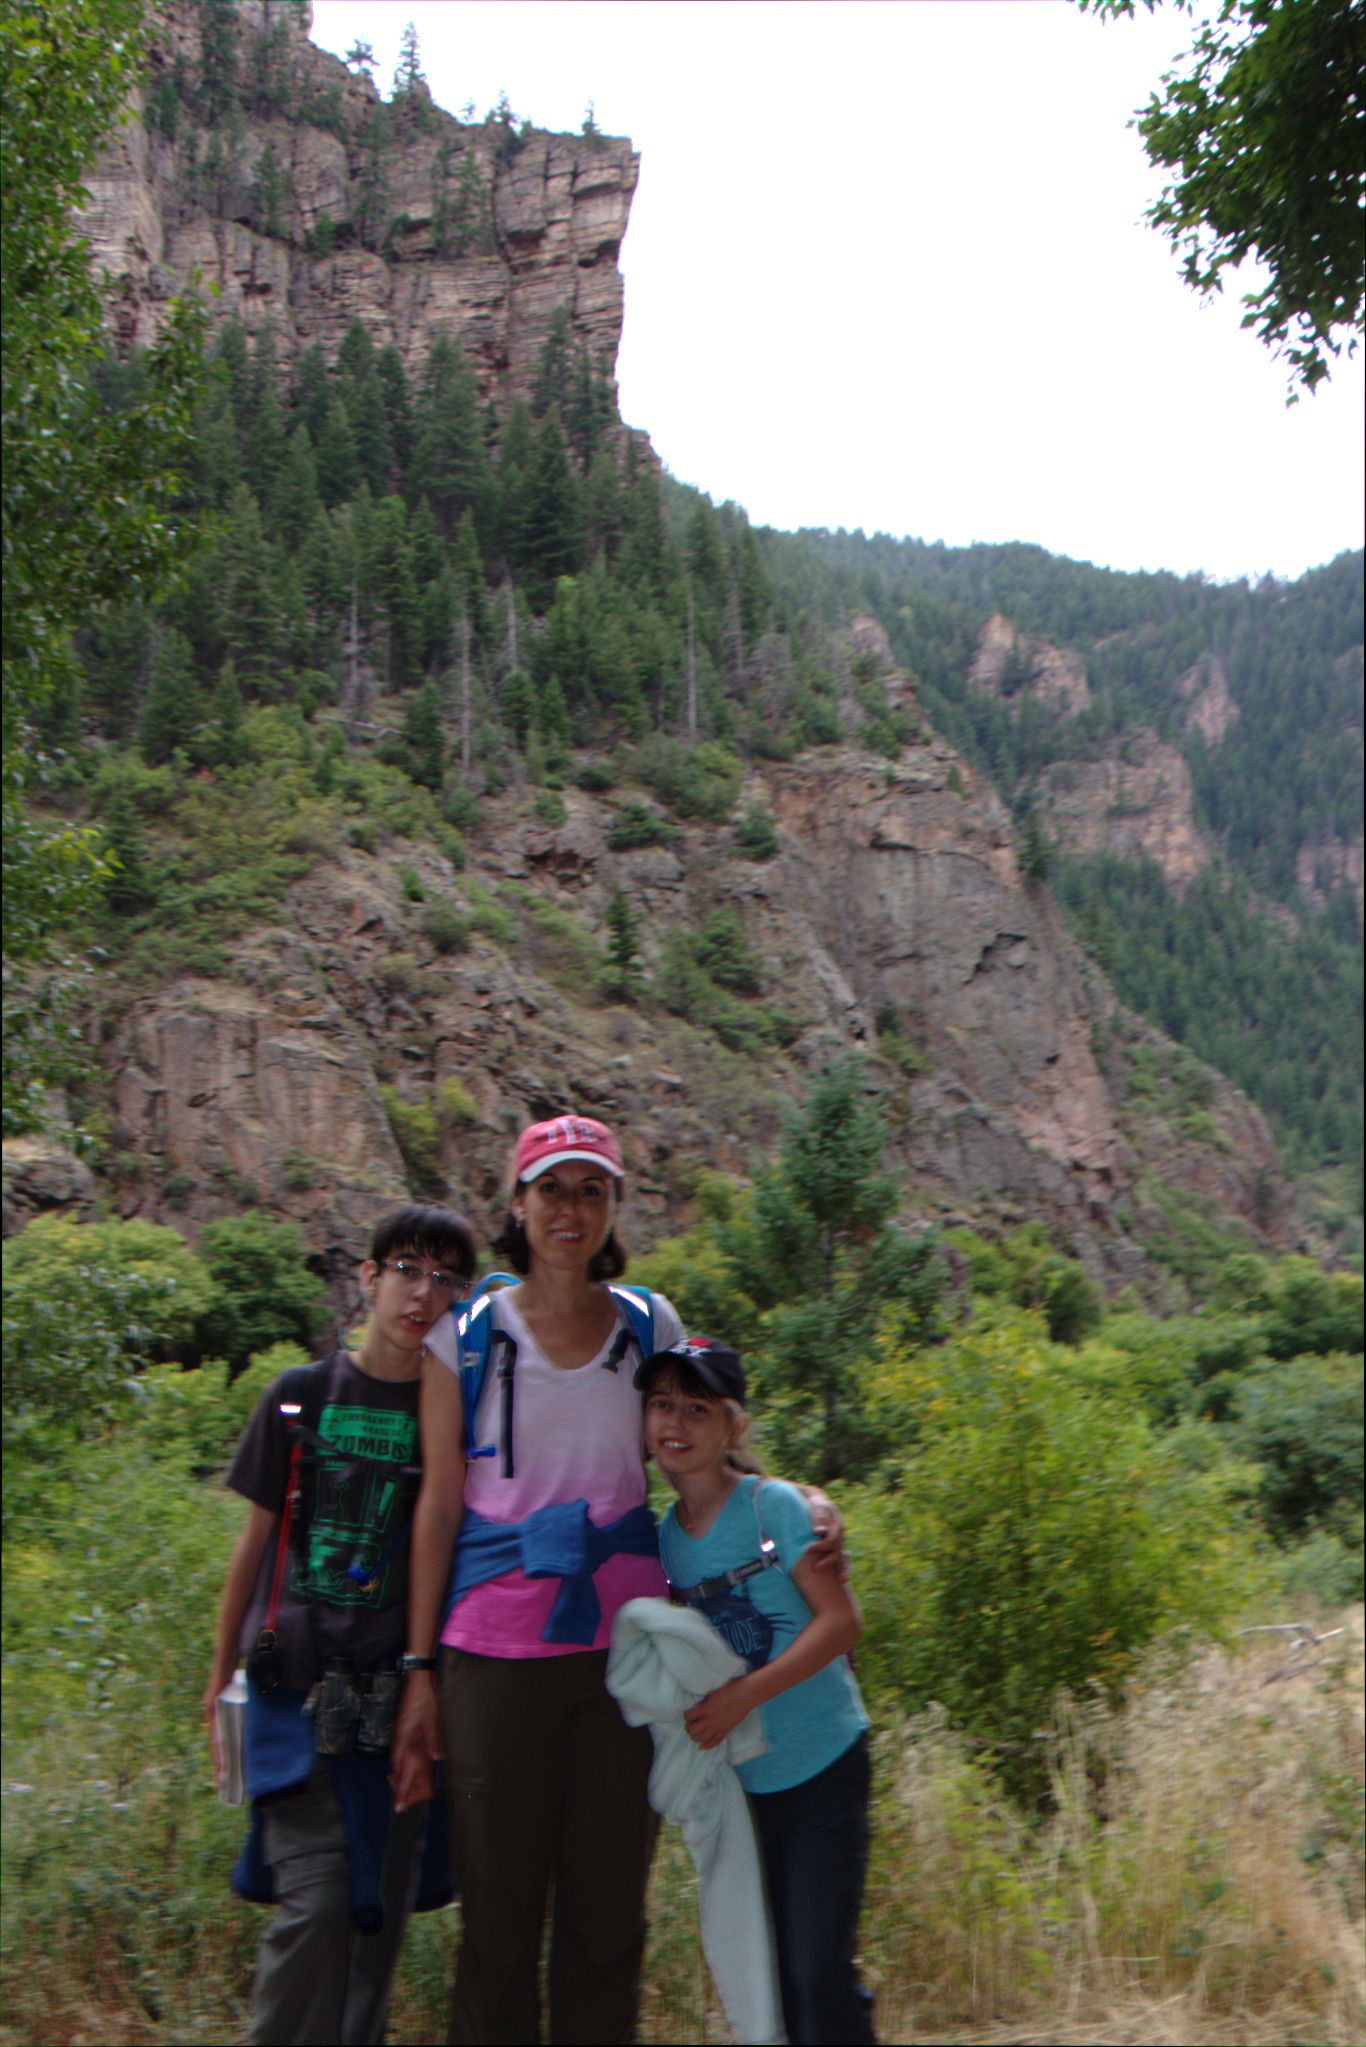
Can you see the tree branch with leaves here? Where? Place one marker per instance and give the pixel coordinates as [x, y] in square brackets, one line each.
[1264, 134]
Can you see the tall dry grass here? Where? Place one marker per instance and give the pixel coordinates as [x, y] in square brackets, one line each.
[1198, 1878]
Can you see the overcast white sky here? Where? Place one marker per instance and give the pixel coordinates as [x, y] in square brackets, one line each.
[886, 268]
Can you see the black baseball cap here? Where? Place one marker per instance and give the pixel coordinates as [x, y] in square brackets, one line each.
[714, 1365]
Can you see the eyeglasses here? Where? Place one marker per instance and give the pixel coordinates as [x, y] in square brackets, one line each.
[412, 1274]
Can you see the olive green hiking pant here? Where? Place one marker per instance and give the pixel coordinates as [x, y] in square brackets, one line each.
[546, 1788]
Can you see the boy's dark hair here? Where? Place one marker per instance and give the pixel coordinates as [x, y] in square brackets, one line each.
[511, 1246]
[431, 1231]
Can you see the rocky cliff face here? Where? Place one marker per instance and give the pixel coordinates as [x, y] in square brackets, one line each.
[310, 221]
[893, 919]
[1136, 800]
[1009, 663]
[895, 891]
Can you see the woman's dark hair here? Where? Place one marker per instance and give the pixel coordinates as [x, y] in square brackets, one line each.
[431, 1231]
[511, 1246]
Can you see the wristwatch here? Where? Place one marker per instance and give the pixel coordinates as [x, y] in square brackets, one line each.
[407, 1663]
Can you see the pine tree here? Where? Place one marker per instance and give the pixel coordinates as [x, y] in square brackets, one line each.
[171, 712]
[223, 742]
[337, 466]
[553, 371]
[408, 74]
[393, 380]
[550, 539]
[450, 456]
[438, 605]
[251, 617]
[519, 707]
[552, 717]
[312, 386]
[467, 567]
[126, 891]
[1035, 855]
[832, 1269]
[387, 583]
[296, 501]
[624, 978]
[424, 738]
[369, 418]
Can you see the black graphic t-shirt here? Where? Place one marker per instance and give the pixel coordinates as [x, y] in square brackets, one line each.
[345, 1594]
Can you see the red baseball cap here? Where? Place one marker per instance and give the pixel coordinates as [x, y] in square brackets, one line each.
[543, 1145]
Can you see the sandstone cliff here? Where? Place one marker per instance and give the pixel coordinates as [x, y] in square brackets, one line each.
[895, 891]
[1136, 800]
[431, 224]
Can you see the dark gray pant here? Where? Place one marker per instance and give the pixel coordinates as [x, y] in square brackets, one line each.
[319, 1983]
[547, 1787]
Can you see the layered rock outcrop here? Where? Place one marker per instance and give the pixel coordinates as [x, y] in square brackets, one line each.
[1008, 664]
[1136, 800]
[1210, 704]
[895, 891]
[400, 216]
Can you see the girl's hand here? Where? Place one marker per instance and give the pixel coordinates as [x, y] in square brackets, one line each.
[712, 1718]
[827, 1552]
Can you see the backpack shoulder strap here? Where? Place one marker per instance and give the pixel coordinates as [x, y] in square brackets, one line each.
[474, 1331]
[636, 1303]
[306, 1387]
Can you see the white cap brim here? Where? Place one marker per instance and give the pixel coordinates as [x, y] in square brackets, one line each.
[589, 1158]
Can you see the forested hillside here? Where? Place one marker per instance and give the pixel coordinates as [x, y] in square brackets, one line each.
[431, 563]
[1257, 967]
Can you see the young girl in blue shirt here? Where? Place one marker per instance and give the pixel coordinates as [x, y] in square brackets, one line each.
[735, 1545]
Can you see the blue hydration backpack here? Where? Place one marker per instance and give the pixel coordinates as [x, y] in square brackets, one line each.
[478, 1340]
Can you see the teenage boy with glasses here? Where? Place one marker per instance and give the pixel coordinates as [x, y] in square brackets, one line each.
[314, 1602]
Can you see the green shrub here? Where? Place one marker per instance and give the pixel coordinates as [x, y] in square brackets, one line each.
[756, 835]
[638, 825]
[297, 1174]
[86, 1305]
[265, 1292]
[595, 776]
[460, 806]
[195, 1417]
[701, 781]
[725, 954]
[398, 974]
[1040, 1535]
[417, 1134]
[1312, 1310]
[1301, 1420]
[410, 881]
[455, 1102]
[488, 917]
[444, 925]
[549, 807]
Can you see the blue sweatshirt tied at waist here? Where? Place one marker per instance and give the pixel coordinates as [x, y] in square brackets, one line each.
[555, 1542]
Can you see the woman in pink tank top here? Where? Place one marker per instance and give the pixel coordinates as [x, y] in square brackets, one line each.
[545, 1782]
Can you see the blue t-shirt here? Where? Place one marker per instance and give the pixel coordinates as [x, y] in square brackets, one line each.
[812, 1724]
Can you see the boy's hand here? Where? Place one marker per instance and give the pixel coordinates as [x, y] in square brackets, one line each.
[217, 1683]
[713, 1718]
